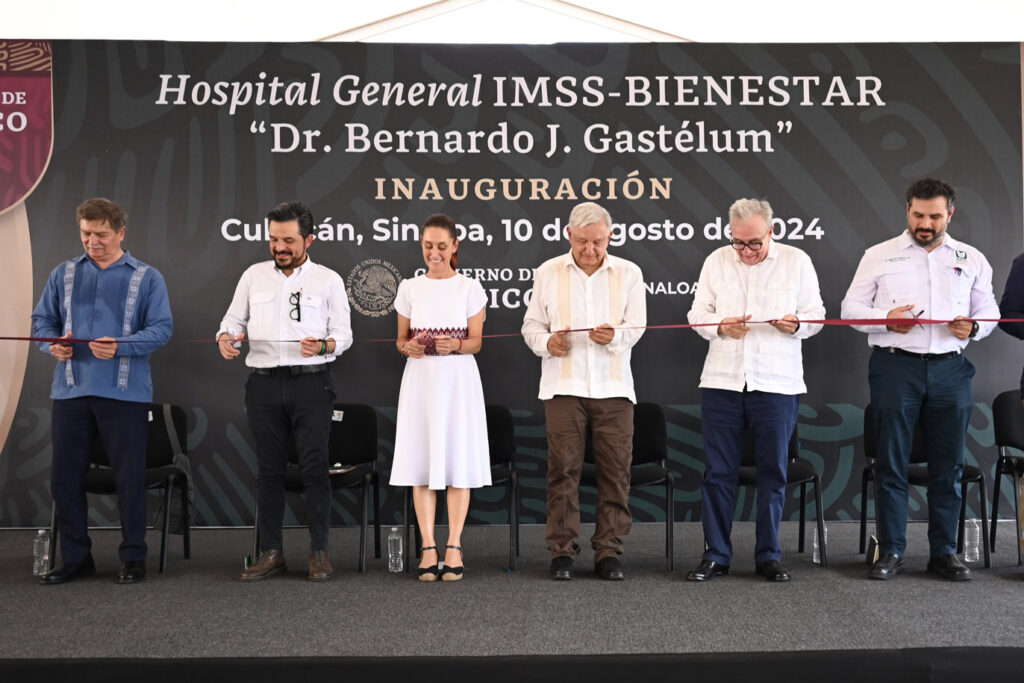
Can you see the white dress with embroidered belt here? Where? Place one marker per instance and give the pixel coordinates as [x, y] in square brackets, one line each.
[441, 431]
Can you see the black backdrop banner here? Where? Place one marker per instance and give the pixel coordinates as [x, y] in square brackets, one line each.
[199, 140]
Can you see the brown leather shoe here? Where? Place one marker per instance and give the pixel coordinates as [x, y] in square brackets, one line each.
[320, 568]
[269, 563]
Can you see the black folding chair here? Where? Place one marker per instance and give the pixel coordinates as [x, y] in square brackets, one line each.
[917, 475]
[649, 467]
[353, 445]
[502, 444]
[799, 472]
[1008, 423]
[167, 470]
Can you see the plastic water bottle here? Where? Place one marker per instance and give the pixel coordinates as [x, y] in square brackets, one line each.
[816, 554]
[972, 541]
[41, 552]
[395, 550]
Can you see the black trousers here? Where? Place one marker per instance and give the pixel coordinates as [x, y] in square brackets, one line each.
[290, 416]
[123, 430]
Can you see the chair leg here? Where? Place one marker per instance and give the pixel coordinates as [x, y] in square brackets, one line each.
[864, 510]
[984, 523]
[416, 537]
[511, 522]
[996, 480]
[166, 531]
[53, 536]
[406, 503]
[376, 514]
[255, 531]
[963, 518]
[803, 518]
[670, 521]
[1017, 515]
[515, 504]
[364, 494]
[820, 515]
[186, 518]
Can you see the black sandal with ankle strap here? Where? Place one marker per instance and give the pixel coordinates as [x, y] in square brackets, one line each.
[428, 573]
[452, 573]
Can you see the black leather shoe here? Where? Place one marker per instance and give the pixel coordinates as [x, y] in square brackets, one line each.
[772, 571]
[132, 572]
[949, 567]
[69, 571]
[609, 568]
[707, 570]
[886, 567]
[561, 568]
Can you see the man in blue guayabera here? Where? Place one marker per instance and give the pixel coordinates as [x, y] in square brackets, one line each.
[118, 306]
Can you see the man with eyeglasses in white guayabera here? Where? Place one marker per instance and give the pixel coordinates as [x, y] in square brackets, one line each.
[752, 378]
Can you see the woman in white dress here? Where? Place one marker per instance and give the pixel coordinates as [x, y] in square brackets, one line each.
[441, 432]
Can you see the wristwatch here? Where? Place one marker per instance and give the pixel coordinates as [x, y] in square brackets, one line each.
[974, 329]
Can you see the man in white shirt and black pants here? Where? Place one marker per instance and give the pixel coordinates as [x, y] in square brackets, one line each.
[297, 315]
[752, 378]
[587, 385]
[918, 373]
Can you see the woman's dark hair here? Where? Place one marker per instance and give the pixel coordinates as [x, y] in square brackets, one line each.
[440, 220]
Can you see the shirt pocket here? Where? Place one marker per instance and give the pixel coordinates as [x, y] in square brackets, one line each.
[730, 300]
[780, 299]
[961, 282]
[262, 307]
[898, 286]
[314, 312]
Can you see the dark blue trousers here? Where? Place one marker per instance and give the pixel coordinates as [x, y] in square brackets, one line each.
[726, 416]
[938, 394]
[123, 430]
[290, 416]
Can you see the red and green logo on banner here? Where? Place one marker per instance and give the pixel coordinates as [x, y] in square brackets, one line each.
[26, 117]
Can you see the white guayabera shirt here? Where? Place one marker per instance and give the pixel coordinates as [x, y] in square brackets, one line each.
[765, 359]
[566, 297]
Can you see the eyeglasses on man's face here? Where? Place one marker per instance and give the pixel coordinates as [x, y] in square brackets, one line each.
[752, 245]
[296, 313]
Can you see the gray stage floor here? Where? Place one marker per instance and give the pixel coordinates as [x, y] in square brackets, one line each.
[200, 609]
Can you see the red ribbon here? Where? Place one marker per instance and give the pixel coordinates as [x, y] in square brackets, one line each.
[676, 326]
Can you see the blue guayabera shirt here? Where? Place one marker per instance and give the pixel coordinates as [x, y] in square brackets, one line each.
[128, 301]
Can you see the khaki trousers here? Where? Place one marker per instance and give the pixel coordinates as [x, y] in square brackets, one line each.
[610, 421]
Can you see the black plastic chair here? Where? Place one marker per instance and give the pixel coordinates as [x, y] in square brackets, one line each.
[799, 472]
[1008, 423]
[650, 464]
[502, 444]
[167, 470]
[353, 445]
[917, 475]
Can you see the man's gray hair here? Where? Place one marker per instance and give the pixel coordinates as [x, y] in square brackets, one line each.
[587, 213]
[744, 209]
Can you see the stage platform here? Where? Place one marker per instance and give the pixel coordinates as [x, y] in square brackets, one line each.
[197, 622]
